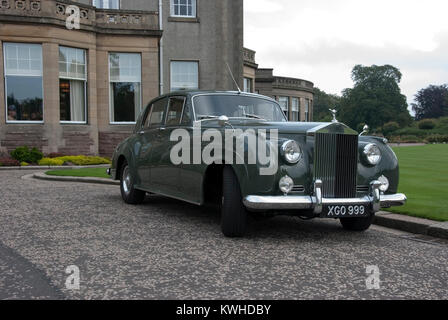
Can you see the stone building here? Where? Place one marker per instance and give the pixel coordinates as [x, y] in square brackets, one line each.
[79, 91]
[294, 95]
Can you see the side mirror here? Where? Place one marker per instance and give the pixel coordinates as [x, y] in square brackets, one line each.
[222, 120]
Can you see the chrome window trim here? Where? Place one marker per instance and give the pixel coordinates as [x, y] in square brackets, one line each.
[237, 94]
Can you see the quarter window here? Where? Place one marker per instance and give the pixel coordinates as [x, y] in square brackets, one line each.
[125, 87]
[23, 82]
[107, 4]
[72, 84]
[184, 75]
[183, 8]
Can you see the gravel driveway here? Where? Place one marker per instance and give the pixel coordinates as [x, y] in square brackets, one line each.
[166, 249]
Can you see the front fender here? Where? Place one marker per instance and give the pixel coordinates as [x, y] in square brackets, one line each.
[388, 165]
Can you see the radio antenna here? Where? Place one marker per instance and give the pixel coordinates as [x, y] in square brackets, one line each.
[233, 78]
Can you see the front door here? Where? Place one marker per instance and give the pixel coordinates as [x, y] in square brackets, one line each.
[164, 174]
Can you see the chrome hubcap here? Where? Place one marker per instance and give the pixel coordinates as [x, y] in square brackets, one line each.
[126, 180]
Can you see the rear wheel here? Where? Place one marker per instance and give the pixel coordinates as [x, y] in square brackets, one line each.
[233, 211]
[357, 224]
[129, 194]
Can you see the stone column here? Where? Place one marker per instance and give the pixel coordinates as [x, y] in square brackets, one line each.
[52, 128]
[2, 100]
[92, 104]
[302, 109]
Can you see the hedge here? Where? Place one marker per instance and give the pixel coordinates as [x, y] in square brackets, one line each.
[74, 160]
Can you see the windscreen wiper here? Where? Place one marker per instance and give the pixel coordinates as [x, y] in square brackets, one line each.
[253, 116]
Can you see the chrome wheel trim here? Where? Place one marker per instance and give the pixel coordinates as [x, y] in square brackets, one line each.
[126, 180]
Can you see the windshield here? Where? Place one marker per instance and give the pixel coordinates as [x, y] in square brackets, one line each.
[236, 106]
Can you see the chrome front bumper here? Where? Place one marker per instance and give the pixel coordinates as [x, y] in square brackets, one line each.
[375, 200]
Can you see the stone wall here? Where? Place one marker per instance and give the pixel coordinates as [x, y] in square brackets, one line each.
[109, 140]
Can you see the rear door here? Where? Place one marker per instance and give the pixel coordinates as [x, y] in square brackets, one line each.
[142, 150]
[150, 139]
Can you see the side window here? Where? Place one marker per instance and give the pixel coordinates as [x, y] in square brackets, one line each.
[157, 115]
[175, 108]
[186, 116]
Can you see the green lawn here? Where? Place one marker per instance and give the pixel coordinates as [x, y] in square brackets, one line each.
[88, 172]
[424, 179]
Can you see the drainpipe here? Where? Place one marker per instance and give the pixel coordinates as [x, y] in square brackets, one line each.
[161, 47]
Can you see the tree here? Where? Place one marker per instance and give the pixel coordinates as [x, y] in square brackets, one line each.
[375, 99]
[432, 102]
[322, 103]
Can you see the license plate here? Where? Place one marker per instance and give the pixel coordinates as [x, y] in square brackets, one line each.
[343, 211]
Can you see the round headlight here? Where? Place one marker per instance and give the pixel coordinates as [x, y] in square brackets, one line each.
[384, 183]
[286, 184]
[372, 153]
[291, 152]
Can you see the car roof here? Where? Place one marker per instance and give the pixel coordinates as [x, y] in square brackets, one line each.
[191, 93]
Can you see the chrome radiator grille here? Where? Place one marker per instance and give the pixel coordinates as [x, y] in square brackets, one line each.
[336, 164]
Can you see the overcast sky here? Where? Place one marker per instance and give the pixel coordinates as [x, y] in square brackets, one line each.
[321, 40]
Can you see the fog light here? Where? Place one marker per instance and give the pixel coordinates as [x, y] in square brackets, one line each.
[286, 184]
[384, 183]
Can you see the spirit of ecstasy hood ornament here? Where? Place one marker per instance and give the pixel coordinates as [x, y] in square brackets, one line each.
[333, 112]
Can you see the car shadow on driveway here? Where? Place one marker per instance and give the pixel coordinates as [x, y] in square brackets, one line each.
[279, 227]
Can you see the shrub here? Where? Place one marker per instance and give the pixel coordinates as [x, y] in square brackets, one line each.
[390, 127]
[427, 124]
[443, 122]
[405, 139]
[24, 154]
[437, 138]
[8, 162]
[394, 139]
[410, 139]
[24, 164]
[55, 155]
[411, 131]
[51, 162]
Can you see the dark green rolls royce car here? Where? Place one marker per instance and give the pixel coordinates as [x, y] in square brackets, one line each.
[238, 150]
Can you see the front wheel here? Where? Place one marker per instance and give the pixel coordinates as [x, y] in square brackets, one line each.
[129, 194]
[357, 224]
[233, 211]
